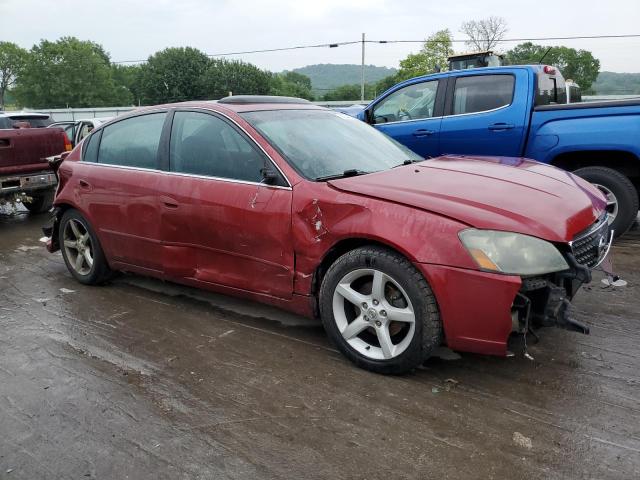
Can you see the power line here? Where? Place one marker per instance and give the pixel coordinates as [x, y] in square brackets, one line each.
[536, 39]
[297, 47]
[339, 44]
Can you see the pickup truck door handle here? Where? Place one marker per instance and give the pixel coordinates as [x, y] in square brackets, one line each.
[84, 184]
[501, 126]
[422, 133]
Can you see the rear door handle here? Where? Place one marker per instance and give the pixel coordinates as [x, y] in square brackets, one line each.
[423, 132]
[501, 126]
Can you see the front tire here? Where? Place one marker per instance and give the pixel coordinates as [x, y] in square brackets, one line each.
[380, 311]
[81, 249]
[622, 197]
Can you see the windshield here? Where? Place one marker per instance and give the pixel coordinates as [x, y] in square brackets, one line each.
[323, 143]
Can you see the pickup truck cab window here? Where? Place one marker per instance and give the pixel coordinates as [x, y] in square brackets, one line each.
[132, 142]
[203, 144]
[412, 102]
[480, 93]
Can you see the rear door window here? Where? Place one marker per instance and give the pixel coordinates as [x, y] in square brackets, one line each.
[203, 144]
[480, 93]
[132, 142]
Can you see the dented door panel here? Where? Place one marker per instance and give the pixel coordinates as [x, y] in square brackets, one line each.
[228, 233]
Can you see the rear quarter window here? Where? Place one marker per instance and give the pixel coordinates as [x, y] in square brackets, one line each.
[480, 93]
[90, 147]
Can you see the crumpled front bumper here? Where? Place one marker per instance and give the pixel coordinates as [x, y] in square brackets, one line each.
[480, 310]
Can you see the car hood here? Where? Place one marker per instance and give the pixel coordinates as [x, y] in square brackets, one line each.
[500, 193]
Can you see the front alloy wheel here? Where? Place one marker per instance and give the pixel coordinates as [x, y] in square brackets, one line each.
[373, 314]
[379, 310]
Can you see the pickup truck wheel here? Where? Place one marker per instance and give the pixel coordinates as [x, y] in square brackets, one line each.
[81, 250]
[622, 197]
[380, 311]
[41, 202]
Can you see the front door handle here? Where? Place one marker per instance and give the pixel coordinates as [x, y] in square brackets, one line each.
[423, 133]
[84, 184]
[501, 126]
[169, 202]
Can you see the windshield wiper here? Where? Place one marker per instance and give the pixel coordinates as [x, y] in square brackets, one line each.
[352, 172]
[407, 162]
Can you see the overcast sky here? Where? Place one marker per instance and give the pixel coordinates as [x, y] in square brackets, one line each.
[134, 29]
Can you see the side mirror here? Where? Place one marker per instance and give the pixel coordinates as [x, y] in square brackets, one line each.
[368, 116]
[269, 176]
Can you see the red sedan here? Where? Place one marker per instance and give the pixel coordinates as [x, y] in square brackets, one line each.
[301, 207]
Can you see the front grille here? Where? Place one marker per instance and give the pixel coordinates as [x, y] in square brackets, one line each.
[589, 246]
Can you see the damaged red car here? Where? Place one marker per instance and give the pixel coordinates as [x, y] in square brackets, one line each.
[284, 202]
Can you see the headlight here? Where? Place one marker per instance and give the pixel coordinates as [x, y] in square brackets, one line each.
[512, 253]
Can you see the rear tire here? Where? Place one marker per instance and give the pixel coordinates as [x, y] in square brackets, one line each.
[41, 202]
[380, 311]
[81, 250]
[619, 189]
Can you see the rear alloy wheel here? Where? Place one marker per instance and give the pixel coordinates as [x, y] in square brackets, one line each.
[81, 249]
[379, 310]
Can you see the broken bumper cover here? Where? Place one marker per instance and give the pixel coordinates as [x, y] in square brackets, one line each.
[480, 310]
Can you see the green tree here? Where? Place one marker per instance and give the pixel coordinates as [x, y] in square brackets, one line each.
[67, 72]
[127, 78]
[173, 75]
[291, 84]
[387, 82]
[237, 77]
[12, 61]
[433, 54]
[578, 65]
[350, 92]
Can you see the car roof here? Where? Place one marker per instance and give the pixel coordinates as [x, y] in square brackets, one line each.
[22, 114]
[254, 103]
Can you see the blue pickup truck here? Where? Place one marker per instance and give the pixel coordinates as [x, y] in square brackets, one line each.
[519, 111]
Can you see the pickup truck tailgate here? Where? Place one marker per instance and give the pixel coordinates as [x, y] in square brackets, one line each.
[27, 149]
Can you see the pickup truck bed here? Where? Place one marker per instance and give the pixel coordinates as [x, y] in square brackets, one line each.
[24, 169]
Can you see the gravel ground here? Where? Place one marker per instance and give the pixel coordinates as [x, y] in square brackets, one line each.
[142, 379]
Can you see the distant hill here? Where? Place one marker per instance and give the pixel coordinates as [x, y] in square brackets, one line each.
[327, 76]
[612, 83]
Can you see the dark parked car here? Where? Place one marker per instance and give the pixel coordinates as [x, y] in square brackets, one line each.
[313, 211]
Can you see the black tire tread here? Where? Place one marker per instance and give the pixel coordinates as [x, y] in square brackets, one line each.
[627, 219]
[41, 202]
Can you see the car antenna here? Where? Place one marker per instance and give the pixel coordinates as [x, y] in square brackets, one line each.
[545, 54]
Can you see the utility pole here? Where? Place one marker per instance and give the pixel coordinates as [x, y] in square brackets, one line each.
[362, 73]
